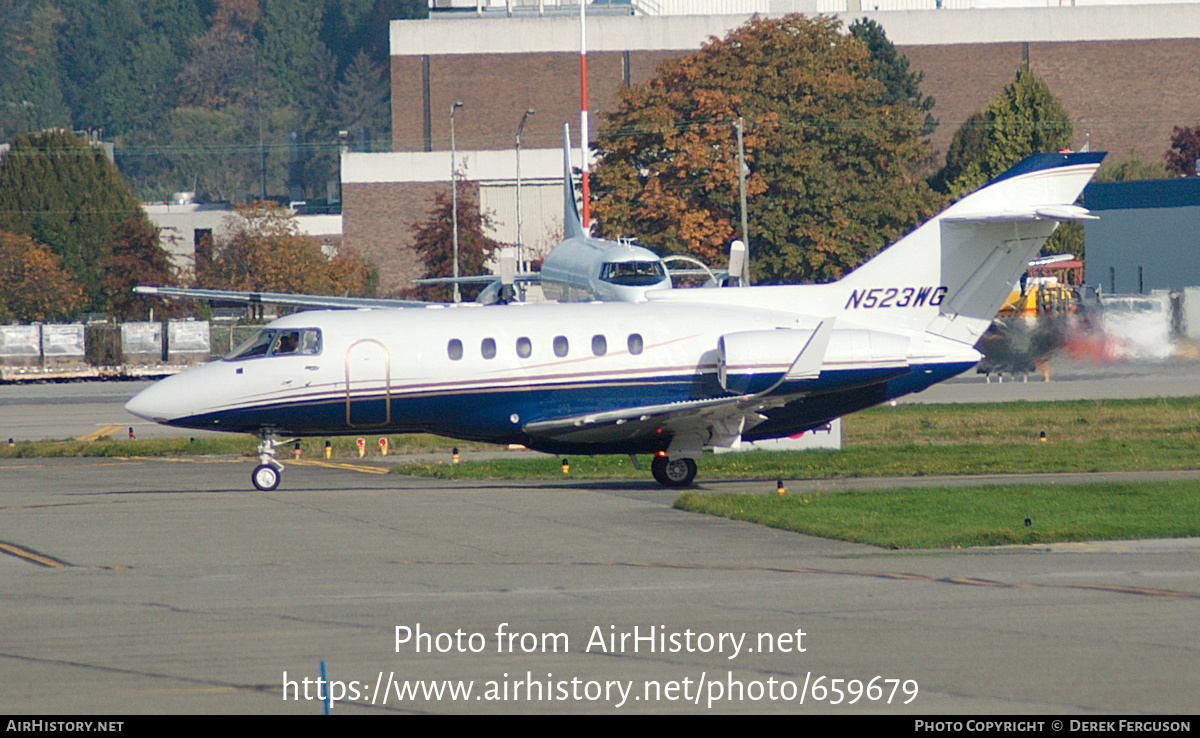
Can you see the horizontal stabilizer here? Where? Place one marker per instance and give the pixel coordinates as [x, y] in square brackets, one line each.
[1044, 212]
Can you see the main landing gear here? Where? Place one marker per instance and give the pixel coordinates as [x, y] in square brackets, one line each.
[676, 473]
[267, 474]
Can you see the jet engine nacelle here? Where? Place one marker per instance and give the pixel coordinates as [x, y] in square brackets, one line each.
[753, 361]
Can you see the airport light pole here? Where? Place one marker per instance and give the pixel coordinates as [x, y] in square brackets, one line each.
[454, 199]
[520, 251]
[739, 124]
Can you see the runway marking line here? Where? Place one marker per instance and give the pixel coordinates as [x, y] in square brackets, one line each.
[336, 465]
[95, 435]
[32, 556]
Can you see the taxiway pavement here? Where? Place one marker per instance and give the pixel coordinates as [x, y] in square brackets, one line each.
[166, 586]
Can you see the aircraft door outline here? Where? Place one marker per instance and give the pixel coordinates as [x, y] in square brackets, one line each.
[363, 359]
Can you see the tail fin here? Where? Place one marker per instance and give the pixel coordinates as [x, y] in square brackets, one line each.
[963, 262]
[572, 224]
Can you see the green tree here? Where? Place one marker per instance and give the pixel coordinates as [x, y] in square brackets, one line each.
[361, 100]
[831, 166]
[434, 243]
[1025, 118]
[31, 96]
[1130, 168]
[33, 283]
[292, 50]
[373, 35]
[92, 42]
[66, 194]
[901, 85]
[265, 252]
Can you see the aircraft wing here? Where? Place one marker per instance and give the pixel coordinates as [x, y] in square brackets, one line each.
[717, 422]
[277, 298]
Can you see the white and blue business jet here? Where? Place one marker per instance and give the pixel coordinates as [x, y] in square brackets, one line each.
[684, 371]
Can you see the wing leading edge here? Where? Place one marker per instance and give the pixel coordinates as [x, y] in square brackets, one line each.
[277, 298]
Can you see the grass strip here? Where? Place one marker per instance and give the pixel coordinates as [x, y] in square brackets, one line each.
[945, 517]
[1180, 452]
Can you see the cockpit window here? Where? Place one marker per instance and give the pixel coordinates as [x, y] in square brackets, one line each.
[633, 273]
[278, 342]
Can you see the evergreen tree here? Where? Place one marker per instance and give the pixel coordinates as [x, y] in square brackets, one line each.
[901, 86]
[1025, 118]
[292, 51]
[361, 100]
[66, 194]
[31, 97]
[1130, 168]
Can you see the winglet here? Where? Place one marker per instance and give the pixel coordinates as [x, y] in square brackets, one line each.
[572, 224]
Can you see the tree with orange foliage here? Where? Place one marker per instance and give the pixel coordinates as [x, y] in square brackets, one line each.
[34, 285]
[265, 252]
[832, 164]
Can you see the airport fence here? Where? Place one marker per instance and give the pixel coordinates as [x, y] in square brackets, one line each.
[136, 349]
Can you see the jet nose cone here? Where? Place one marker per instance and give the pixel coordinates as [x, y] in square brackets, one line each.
[161, 402]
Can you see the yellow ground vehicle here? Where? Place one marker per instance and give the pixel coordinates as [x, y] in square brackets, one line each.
[1045, 310]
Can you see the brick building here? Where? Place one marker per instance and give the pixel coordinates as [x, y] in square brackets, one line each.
[1126, 73]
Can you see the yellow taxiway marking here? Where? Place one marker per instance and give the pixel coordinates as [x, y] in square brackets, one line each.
[107, 430]
[335, 465]
[37, 558]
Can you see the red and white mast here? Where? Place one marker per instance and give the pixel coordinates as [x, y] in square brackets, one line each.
[583, 110]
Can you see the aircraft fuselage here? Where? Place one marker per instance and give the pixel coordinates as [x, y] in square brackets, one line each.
[475, 373]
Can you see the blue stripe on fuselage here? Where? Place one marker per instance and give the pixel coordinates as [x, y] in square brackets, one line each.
[487, 414]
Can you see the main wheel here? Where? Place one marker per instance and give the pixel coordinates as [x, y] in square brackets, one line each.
[673, 472]
[265, 477]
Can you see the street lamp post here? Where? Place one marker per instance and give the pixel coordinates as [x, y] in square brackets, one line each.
[520, 251]
[454, 199]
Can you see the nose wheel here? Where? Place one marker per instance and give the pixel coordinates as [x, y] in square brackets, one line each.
[265, 477]
[267, 474]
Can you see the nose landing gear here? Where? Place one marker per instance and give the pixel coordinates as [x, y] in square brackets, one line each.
[267, 474]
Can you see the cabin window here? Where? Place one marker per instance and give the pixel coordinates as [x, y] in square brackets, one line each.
[275, 342]
[635, 343]
[310, 341]
[454, 349]
[561, 347]
[488, 348]
[256, 345]
[524, 347]
[599, 345]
